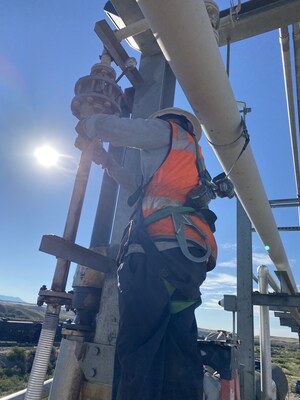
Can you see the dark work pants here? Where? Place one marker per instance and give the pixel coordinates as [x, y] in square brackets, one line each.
[156, 354]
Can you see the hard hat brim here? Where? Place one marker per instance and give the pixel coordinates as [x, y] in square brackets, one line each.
[178, 111]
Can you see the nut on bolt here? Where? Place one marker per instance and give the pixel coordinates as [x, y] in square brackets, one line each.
[93, 372]
[96, 351]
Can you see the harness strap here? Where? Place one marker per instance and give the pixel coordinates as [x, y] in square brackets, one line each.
[179, 222]
[166, 212]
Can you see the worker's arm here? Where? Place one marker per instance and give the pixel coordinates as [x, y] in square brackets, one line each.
[137, 132]
[120, 174]
[152, 136]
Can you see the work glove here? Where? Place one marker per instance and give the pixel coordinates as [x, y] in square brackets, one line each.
[87, 127]
[100, 155]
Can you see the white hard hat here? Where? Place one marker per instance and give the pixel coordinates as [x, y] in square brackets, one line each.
[178, 111]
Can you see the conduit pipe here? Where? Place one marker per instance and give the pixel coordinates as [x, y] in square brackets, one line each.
[189, 45]
[287, 72]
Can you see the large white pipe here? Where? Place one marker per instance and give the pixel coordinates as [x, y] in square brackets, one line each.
[185, 36]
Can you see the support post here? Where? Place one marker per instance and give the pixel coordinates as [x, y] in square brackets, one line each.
[265, 342]
[245, 329]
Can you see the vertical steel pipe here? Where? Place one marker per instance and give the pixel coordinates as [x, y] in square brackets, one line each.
[296, 41]
[62, 267]
[287, 72]
[46, 340]
[65, 386]
[265, 342]
[245, 328]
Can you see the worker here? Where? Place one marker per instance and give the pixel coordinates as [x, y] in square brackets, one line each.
[167, 249]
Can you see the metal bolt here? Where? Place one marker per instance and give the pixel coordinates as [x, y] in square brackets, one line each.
[130, 63]
[96, 350]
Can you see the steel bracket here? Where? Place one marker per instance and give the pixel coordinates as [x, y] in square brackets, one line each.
[116, 51]
[98, 362]
[230, 302]
[69, 251]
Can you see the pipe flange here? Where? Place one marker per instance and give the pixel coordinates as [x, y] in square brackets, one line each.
[97, 93]
[54, 298]
[104, 70]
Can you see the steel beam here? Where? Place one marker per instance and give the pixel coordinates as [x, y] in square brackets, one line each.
[156, 92]
[116, 51]
[257, 17]
[129, 12]
[276, 299]
[66, 250]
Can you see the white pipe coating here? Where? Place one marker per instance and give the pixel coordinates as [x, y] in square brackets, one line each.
[189, 45]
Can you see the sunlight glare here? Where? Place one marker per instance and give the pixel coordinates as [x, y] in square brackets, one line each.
[46, 156]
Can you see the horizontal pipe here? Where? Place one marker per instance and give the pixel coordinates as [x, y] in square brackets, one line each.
[20, 395]
[284, 205]
[284, 201]
[194, 57]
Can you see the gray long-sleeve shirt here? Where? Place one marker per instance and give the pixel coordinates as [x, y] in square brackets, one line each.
[151, 136]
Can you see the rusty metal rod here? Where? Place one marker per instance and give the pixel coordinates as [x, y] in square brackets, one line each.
[62, 266]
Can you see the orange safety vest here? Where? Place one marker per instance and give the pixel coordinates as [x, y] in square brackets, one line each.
[169, 187]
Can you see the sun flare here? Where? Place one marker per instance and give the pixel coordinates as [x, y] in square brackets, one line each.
[46, 156]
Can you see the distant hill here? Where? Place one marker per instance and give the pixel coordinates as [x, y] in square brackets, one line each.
[11, 310]
[27, 311]
[10, 298]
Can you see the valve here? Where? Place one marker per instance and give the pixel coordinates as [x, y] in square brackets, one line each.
[98, 92]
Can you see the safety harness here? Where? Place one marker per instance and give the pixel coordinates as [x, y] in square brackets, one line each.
[181, 214]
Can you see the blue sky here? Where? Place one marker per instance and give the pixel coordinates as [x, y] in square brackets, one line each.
[45, 47]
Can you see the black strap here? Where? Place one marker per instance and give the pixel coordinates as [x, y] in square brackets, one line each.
[244, 134]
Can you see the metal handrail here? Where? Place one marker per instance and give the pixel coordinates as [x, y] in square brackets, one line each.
[21, 394]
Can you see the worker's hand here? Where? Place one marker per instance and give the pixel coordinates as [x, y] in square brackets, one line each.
[87, 127]
[102, 157]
